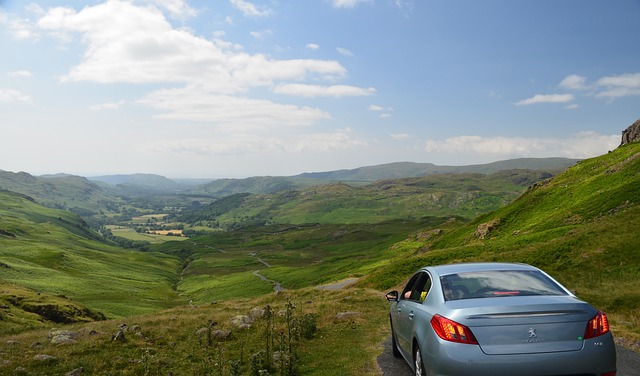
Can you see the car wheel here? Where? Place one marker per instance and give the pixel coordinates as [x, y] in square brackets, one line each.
[419, 364]
[394, 344]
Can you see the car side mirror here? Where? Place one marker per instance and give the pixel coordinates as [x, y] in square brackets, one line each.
[392, 296]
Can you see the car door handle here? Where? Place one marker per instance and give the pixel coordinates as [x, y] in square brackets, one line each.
[411, 315]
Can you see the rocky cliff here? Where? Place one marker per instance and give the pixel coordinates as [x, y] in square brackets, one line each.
[631, 134]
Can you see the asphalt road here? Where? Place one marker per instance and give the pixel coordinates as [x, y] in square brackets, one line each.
[628, 362]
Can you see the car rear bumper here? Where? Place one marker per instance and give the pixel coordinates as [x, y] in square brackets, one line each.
[596, 357]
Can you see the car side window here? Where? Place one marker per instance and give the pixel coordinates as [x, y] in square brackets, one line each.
[417, 288]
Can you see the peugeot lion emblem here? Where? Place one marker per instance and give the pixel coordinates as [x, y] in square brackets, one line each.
[532, 333]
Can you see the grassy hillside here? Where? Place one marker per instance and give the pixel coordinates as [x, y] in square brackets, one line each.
[54, 253]
[581, 227]
[223, 266]
[66, 192]
[465, 195]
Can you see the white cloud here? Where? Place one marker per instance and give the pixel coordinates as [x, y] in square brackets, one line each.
[376, 108]
[107, 106]
[323, 91]
[400, 136]
[494, 95]
[385, 111]
[20, 73]
[324, 142]
[261, 34]
[574, 81]
[312, 46]
[619, 86]
[582, 145]
[546, 98]
[348, 3]
[12, 96]
[242, 144]
[249, 9]
[226, 145]
[176, 8]
[344, 52]
[404, 4]
[22, 29]
[611, 87]
[229, 112]
[145, 48]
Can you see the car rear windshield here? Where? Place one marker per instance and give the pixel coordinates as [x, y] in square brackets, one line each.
[498, 283]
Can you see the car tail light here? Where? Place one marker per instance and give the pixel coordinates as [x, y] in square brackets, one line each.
[608, 374]
[450, 330]
[597, 326]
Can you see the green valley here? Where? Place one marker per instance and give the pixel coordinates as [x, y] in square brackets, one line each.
[283, 281]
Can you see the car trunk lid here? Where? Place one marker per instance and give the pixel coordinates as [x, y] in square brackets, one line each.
[545, 324]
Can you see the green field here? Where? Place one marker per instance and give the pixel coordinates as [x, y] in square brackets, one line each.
[131, 234]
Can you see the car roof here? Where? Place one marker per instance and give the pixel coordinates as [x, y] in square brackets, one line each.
[476, 267]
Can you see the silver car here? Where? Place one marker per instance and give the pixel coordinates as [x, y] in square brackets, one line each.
[497, 319]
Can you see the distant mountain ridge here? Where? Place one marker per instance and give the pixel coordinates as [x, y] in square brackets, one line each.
[86, 195]
[144, 180]
[399, 170]
[368, 174]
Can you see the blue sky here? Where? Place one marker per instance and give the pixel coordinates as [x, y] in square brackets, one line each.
[236, 88]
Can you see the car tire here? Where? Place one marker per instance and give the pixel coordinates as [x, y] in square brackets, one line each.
[394, 344]
[418, 364]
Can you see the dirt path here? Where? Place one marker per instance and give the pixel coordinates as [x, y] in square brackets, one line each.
[338, 285]
[276, 285]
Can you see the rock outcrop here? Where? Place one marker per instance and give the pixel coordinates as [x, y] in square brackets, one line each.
[631, 134]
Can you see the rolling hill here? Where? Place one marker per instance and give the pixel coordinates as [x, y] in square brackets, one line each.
[400, 170]
[364, 175]
[456, 194]
[67, 192]
[53, 253]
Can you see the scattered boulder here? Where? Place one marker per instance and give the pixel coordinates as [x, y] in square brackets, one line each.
[428, 235]
[37, 346]
[75, 372]
[202, 332]
[281, 359]
[44, 358]
[62, 337]
[221, 335]
[119, 336]
[485, 229]
[257, 313]
[346, 315]
[242, 321]
[631, 134]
